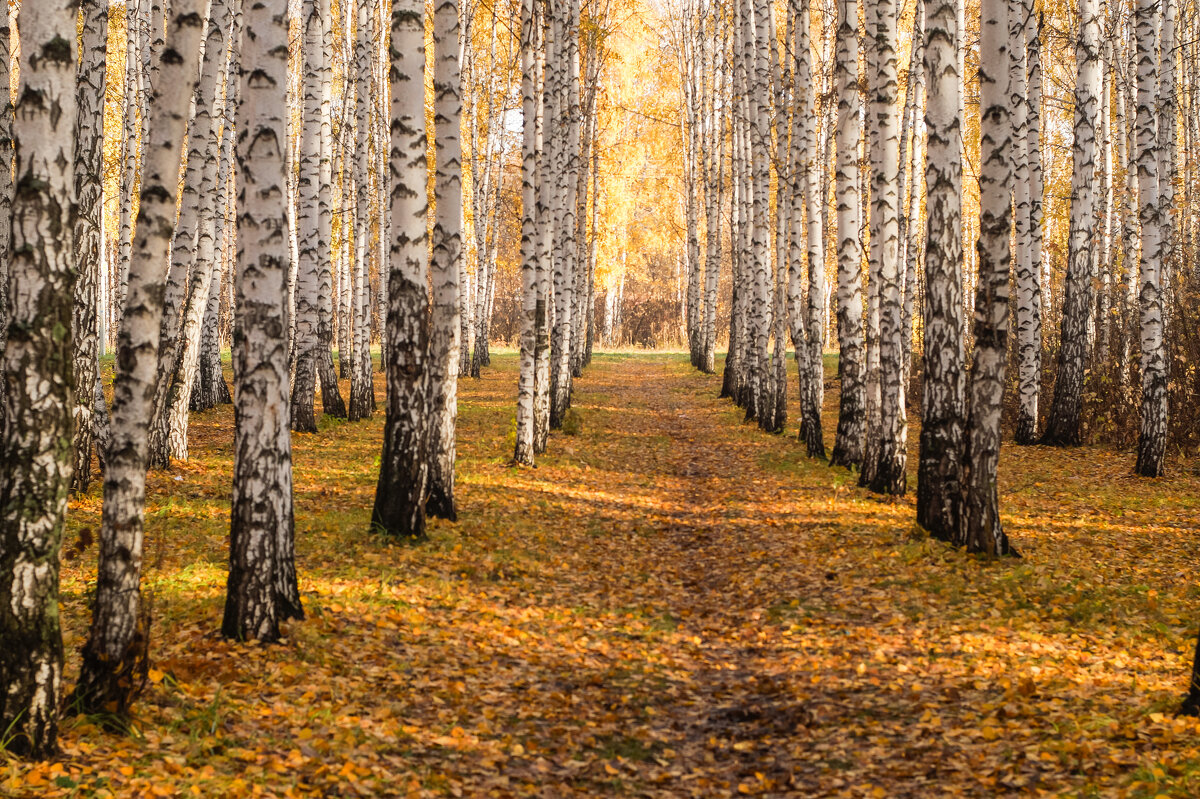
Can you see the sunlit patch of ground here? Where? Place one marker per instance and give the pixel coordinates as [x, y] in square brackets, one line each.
[672, 604]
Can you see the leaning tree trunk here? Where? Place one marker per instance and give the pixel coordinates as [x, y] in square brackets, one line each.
[89, 163]
[262, 589]
[848, 445]
[1063, 427]
[889, 474]
[212, 92]
[116, 649]
[35, 441]
[1152, 441]
[982, 531]
[447, 252]
[939, 477]
[179, 266]
[404, 470]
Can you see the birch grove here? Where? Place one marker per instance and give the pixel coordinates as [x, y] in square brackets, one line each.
[217, 212]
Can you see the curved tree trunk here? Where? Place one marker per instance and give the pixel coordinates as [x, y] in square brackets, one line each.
[213, 90]
[116, 647]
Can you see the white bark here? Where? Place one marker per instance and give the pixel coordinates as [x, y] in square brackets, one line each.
[35, 365]
[447, 255]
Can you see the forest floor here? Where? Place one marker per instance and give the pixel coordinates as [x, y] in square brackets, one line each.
[672, 604]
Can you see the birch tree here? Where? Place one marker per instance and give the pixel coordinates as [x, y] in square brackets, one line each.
[1064, 425]
[261, 591]
[939, 482]
[524, 452]
[889, 475]
[982, 530]
[35, 440]
[86, 236]
[403, 475]
[309, 188]
[812, 356]
[204, 143]
[6, 187]
[848, 444]
[1152, 441]
[115, 650]
[1028, 266]
[447, 252]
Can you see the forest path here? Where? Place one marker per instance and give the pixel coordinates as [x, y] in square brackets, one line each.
[672, 603]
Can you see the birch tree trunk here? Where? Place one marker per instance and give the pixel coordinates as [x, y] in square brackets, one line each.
[213, 89]
[889, 476]
[331, 396]
[1063, 427]
[308, 190]
[6, 188]
[404, 470]
[566, 130]
[1152, 441]
[211, 389]
[262, 589]
[910, 194]
[812, 357]
[362, 395]
[115, 653]
[714, 203]
[447, 254]
[138, 60]
[89, 158]
[982, 531]
[757, 42]
[1028, 266]
[545, 228]
[524, 448]
[939, 480]
[848, 444]
[35, 440]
